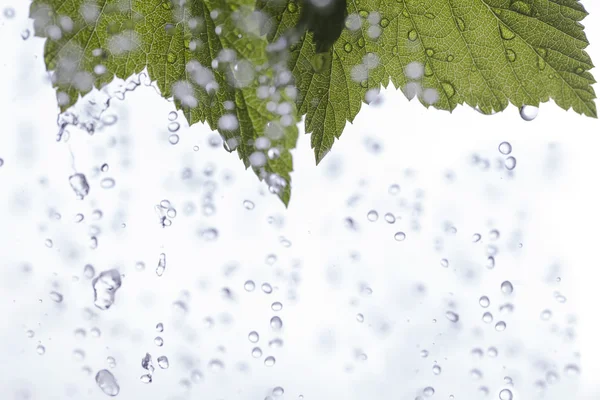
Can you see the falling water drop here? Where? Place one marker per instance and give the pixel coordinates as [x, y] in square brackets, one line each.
[510, 163]
[107, 382]
[80, 185]
[163, 362]
[505, 148]
[105, 286]
[162, 264]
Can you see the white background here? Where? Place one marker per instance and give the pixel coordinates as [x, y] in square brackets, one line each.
[549, 204]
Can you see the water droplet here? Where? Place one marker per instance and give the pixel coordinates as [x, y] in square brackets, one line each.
[267, 288]
[452, 316]
[484, 301]
[112, 363]
[162, 264]
[487, 317]
[522, 8]
[444, 262]
[424, 353]
[171, 57]
[160, 327]
[163, 362]
[270, 361]
[276, 306]
[506, 33]
[429, 52]
[278, 391]
[276, 323]
[253, 337]
[492, 352]
[541, 63]
[510, 163]
[490, 262]
[80, 185]
[429, 15]
[146, 378]
[174, 139]
[107, 382]
[572, 370]
[158, 341]
[506, 287]
[461, 23]
[389, 218]
[348, 47]
[505, 394]
[105, 287]
[173, 126]
[428, 391]
[56, 297]
[551, 377]
[107, 183]
[41, 350]
[528, 113]
[475, 238]
[147, 363]
[412, 35]
[505, 148]
[48, 243]
[448, 89]
[399, 236]
[248, 205]
[372, 216]
[25, 34]
[511, 55]
[546, 315]
[437, 369]
[500, 326]
[216, 365]
[256, 352]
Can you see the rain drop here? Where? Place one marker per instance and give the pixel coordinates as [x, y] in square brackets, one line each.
[510, 163]
[399, 236]
[162, 264]
[505, 148]
[276, 323]
[270, 361]
[372, 216]
[506, 287]
[80, 185]
[253, 337]
[107, 382]
[105, 287]
[163, 362]
[452, 316]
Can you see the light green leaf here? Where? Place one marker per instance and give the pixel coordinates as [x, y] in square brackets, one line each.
[484, 53]
[207, 54]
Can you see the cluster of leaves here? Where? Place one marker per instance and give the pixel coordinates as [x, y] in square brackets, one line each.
[251, 68]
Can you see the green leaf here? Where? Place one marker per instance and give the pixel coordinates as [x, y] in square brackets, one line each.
[484, 53]
[207, 54]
